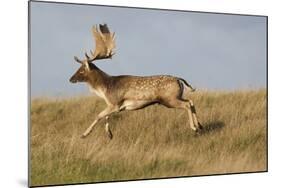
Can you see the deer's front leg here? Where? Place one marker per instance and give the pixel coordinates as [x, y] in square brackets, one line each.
[104, 113]
[107, 128]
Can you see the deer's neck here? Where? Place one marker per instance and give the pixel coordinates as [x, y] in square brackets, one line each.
[97, 79]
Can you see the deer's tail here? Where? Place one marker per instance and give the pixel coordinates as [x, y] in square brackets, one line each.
[184, 88]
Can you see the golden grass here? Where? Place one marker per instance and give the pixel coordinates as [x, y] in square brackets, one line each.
[149, 143]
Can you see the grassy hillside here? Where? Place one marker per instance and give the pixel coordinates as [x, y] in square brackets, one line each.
[149, 143]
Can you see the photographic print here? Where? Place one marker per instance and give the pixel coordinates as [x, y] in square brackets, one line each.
[120, 93]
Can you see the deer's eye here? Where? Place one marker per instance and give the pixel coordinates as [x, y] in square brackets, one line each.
[82, 71]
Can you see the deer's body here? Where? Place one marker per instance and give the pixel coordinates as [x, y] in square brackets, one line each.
[115, 90]
[127, 92]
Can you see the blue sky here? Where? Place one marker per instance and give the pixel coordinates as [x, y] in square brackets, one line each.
[210, 51]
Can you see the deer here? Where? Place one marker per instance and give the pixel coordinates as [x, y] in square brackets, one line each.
[128, 92]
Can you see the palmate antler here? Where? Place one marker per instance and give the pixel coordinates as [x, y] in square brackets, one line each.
[105, 43]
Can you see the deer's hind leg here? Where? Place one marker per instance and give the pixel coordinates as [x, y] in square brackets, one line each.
[186, 105]
[194, 115]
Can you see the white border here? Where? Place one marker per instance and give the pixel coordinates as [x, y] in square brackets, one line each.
[13, 171]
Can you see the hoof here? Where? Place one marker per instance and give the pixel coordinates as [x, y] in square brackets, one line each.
[198, 132]
[109, 134]
[200, 126]
[83, 136]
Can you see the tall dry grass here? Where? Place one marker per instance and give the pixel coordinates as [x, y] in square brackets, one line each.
[150, 143]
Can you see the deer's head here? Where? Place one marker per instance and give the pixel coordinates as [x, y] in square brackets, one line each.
[105, 43]
[82, 74]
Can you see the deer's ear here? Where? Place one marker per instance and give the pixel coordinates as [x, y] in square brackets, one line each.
[86, 63]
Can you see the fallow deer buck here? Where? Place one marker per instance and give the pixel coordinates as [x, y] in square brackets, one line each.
[129, 92]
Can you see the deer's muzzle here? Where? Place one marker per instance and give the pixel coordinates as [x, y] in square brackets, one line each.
[72, 80]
